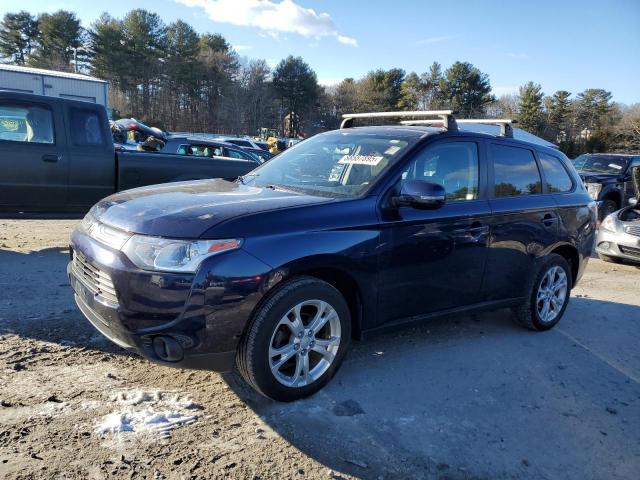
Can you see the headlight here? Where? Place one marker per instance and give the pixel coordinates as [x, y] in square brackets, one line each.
[111, 237]
[594, 189]
[164, 254]
[609, 223]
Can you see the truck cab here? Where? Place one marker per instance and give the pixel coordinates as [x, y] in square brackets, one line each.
[54, 153]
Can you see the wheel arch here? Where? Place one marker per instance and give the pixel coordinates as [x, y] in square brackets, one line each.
[570, 254]
[613, 194]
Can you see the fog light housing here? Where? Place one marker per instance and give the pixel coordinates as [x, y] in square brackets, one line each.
[604, 245]
[167, 349]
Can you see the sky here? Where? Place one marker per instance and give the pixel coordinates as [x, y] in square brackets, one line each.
[562, 44]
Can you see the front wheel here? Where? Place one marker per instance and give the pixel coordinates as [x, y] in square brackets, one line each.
[548, 294]
[296, 340]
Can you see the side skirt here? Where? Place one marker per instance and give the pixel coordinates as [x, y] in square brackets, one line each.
[418, 319]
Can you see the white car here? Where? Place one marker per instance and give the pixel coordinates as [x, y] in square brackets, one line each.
[619, 234]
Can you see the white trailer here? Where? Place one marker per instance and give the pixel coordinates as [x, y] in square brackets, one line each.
[54, 84]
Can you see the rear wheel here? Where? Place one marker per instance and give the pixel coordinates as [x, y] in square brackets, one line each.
[548, 294]
[296, 340]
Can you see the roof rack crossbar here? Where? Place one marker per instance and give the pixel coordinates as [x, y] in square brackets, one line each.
[505, 124]
[445, 117]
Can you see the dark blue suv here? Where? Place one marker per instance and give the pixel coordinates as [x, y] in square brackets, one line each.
[350, 232]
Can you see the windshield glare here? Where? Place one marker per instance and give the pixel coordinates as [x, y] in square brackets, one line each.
[600, 164]
[334, 164]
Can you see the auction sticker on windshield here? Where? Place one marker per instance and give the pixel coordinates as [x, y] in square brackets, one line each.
[361, 159]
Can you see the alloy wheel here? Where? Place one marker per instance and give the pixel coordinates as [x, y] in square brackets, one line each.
[552, 294]
[304, 343]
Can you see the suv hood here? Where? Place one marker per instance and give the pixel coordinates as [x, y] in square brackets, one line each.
[188, 209]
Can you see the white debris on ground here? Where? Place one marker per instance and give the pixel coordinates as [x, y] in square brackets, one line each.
[148, 412]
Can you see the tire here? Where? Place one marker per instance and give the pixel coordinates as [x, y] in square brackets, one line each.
[607, 258]
[608, 207]
[277, 325]
[531, 314]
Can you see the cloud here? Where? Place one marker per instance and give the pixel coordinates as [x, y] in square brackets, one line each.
[239, 48]
[430, 40]
[348, 40]
[272, 17]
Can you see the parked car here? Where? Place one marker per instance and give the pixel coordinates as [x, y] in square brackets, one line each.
[58, 155]
[262, 155]
[244, 142]
[608, 179]
[619, 233]
[352, 232]
[203, 147]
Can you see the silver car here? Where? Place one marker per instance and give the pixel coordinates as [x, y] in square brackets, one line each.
[619, 234]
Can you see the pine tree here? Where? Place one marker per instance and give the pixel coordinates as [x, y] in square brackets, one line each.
[531, 113]
[18, 35]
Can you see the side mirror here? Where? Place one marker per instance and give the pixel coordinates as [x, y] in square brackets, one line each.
[633, 202]
[420, 194]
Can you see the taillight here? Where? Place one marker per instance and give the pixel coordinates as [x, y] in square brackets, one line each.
[593, 206]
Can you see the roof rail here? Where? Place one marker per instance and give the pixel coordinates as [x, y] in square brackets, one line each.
[444, 116]
[504, 123]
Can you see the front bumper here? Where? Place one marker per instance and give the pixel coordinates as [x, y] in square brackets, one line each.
[178, 320]
[618, 244]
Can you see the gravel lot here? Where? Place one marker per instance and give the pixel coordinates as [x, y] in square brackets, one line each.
[461, 398]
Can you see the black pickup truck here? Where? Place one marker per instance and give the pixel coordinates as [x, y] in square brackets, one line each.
[58, 155]
[607, 177]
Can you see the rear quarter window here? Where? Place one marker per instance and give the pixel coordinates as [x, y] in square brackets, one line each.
[555, 174]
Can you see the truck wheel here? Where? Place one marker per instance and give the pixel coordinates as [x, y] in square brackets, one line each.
[296, 340]
[548, 294]
[608, 207]
[607, 258]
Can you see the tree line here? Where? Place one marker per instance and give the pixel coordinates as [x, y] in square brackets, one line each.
[176, 78]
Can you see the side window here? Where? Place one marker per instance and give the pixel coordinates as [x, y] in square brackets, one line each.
[556, 176]
[26, 123]
[85, 127]
[454, 165]
[515, 171]
[236, 154]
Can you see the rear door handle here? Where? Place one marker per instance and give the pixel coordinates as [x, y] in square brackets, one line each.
[549, 219]
[51, 158]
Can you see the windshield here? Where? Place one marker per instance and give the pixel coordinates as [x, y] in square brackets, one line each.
[340, 164]
[600, 164]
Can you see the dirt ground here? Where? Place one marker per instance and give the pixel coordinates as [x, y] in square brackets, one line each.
[459, 398]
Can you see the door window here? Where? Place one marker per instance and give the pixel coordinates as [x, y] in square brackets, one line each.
[515, 171]
[26, 123]
[555, 175]
[86, 127]
[237, 154]
[454, 165]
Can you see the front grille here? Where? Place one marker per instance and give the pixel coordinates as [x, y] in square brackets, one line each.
[631, 251]
[97, 281]
[633, 230]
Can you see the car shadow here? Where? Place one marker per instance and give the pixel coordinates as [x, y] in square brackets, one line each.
[36, 301]
[476, 397]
